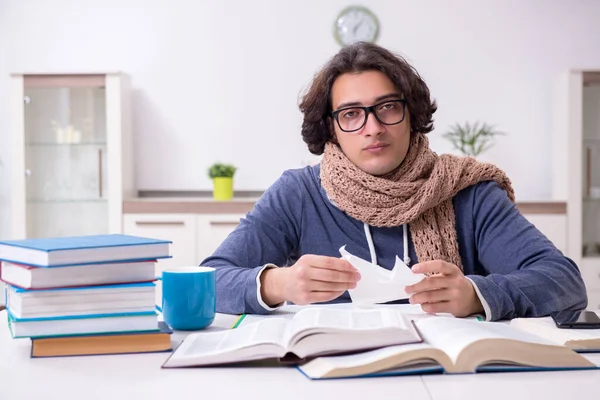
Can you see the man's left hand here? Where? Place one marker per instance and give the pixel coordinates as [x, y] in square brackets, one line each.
[445, 290]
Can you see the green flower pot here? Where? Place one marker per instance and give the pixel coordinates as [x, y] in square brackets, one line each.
[222, 188]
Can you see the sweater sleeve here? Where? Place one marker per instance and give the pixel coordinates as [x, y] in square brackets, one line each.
[265, 238]
[525, 274]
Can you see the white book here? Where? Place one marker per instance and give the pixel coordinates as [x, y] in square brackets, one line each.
[143, 322]
[68, 302]
[310, 332]
[28, 277]
[577, 339]
[453, 345]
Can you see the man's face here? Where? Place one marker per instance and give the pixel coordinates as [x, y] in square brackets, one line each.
[376, 148]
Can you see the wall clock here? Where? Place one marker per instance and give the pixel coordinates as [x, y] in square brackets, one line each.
[355, 24]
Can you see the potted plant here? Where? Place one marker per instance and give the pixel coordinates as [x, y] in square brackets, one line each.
[472, 139]
[222, 177]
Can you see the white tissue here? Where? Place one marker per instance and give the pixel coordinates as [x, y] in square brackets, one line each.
[377, 284]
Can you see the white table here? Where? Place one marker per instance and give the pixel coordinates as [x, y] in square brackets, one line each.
[551, 385]
[140, 377]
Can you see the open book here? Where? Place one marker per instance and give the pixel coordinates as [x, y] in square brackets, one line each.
[309, 333]
[581, 340]
[452, 345]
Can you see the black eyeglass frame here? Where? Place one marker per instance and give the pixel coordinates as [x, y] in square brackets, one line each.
[369, 110]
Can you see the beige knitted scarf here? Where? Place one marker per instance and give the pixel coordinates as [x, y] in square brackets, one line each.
[419, 193]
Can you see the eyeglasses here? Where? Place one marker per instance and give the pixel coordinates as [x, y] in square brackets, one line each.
[352, 119]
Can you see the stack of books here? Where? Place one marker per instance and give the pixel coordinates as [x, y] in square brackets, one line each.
[84, 295]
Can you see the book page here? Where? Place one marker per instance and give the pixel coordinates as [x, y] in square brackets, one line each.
[206, 344]
[453, 335]
[286, 312]
[387, 359]
[369, 357]
[335, 320]
[546, 328]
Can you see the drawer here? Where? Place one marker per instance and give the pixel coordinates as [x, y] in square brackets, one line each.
[213, 229]
[178, 228]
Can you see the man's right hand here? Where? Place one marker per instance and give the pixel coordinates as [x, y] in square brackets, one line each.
[312, 279]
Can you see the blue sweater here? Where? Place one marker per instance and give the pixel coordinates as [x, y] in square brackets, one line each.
[515, 268]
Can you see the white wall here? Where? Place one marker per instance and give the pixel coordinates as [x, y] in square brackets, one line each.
[219, 80]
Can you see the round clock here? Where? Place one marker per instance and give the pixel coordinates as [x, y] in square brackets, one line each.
[355, 24]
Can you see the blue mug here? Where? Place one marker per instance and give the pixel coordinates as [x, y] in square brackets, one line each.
[189, 297]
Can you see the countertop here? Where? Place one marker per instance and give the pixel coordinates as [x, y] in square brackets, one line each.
[187, 205]
[242, 205]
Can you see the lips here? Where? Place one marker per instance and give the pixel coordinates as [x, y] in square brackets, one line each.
[376, 146]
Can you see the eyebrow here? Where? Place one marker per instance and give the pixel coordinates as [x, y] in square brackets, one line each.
[377, 99]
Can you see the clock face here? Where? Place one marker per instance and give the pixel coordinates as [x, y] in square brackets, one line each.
[356, 24]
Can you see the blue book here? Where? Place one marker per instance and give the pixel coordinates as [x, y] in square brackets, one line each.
[82, 325]
[81, 250]
[452, 346]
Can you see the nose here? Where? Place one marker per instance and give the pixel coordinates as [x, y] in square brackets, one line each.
[373, 127]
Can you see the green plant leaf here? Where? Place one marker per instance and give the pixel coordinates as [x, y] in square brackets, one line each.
[219, 170]
[471, 139]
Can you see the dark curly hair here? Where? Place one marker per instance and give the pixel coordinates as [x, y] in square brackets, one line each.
[316, 102]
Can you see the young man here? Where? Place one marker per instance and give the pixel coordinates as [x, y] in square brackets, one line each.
[382, 192]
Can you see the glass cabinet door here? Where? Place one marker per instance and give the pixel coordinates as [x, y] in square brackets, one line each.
[65, 161]
[591, 171]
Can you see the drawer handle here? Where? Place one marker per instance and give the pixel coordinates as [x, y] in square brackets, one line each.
[223, 223]
[163, 223]
[100, 173]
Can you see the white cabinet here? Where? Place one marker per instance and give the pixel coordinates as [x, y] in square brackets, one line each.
[590, 270]
[71, 154]
[554, 226]
[194, 236]
[178, 228]
[212, 230]
[593, 300]
[576, 161]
